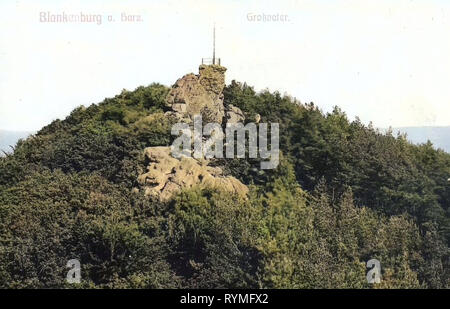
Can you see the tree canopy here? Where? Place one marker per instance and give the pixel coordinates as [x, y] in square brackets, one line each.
[343, 193]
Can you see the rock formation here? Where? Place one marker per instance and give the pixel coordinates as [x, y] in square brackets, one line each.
[192, 95]
[202, 95]
[167, 175]
[234, 115]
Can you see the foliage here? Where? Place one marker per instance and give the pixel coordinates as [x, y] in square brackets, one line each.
[343, 193]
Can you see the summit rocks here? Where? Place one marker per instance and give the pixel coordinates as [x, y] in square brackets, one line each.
[192, 95]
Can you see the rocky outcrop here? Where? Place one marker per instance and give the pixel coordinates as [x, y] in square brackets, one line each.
[212, 78]
[234, 114]
[166, 175]
[199, 95]
[202, 94]
[192, 95]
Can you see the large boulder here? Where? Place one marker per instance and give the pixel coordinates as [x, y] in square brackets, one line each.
[234, 114]
[166, 175]
[199, 95]
[212, 78]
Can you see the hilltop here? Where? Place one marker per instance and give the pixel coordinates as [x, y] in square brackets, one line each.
[343, 193]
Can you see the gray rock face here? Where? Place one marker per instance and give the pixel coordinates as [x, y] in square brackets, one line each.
[202, 94]
[166, 175]
[192, 95]
[234, 114]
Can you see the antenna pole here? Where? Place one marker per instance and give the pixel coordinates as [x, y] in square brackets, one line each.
[214, 44]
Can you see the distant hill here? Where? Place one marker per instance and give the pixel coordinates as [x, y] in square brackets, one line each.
[439, 136]
[10, 138]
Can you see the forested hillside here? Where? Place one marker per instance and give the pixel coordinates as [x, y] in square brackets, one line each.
[343, 194]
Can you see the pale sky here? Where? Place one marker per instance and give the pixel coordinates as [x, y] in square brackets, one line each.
[384, 61]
